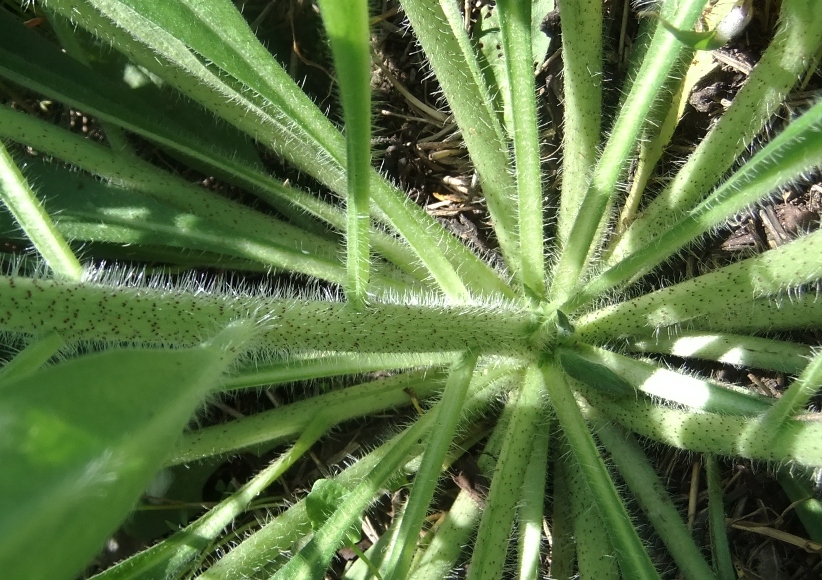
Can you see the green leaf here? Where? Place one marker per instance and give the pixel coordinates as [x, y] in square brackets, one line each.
[127, 171]
[325, 497]
[80, 441]
[493, 534]
[398, 560]
[792, 153]
[719, 291]
[690, 38]
[721, 551]
[87, 209]
[653, 498]
[634, 561]
[677, 388]
[586, 234]
[256, 95]
[733, 349]
[582, 116]
[16, 194]
[314, 557]
[452, 57]
[798, 36]
[95, 311]
[35, 355]
[593, 374]
[169, 558]
[564, 326]
[710, 432]
[515, 23]
[346, 22]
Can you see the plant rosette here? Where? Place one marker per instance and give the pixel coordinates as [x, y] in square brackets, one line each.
[552, 353]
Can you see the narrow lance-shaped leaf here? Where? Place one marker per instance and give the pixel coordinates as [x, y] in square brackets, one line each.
[88, 209]
[563, 548]
[786, 267]
[582, 83]
[621, 375]
[250, 114]
[798, 37]
[81, 440]
[594, 550]
[661, 125]
[634, 561]
[158, 315]
[132, 173]
[17, 195]
[665, 49]
[35, 355]
[799, 487]
[653, 498]
[710, 432]
[440, 30]
[733, 349]
[515, 21]
[283, 423]
[346, 23]
[278, 535]
[486, 43]
[312, 559]
[397, 563]
[454, 532]
[766, 314]
[771, 423]
[313, 366]
[793, 152]
[721, 551]
[494, 532]
[276, 112]
[170, 557]
[531, 510]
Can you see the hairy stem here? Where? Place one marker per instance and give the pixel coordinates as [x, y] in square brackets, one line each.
[96, 312]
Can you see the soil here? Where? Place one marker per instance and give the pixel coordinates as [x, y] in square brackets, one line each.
[421, 149]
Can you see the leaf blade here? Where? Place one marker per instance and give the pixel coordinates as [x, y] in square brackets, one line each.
[80, 445]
